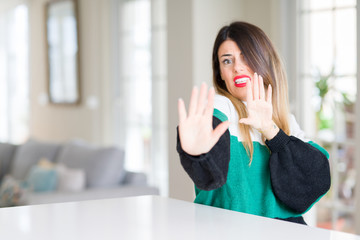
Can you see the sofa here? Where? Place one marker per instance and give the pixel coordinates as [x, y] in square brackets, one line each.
[38, 172]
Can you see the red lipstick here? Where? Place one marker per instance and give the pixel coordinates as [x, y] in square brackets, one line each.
[240, 81]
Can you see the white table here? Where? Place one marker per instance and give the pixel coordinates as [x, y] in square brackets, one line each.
[147, 217]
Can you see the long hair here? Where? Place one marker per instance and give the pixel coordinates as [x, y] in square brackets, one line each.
[261, 56]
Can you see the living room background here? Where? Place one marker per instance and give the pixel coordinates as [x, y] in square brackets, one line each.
[96, 119]
[178, 44]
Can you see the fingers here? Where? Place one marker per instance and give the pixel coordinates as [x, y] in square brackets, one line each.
[181, 111]
[261, 88]
[249, 90]
[220, 129]
[193, 101]
[202, 98]
[197, 103]
[210, 104]
[256, 86]
[245, 121]
[269, 94]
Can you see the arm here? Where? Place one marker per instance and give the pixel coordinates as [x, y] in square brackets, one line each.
[209, 170]
[198, 134]
[300, 173]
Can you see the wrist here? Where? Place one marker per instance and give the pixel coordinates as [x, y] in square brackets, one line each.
[270, 130]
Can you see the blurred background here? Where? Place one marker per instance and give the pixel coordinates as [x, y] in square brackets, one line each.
[126, 62]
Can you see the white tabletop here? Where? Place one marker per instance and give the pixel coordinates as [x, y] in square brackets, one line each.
[147, 217]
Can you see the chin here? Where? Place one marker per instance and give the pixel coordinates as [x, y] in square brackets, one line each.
[240, 96]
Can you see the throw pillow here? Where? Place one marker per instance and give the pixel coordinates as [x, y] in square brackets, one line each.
[104, 167]
[42, 177]
[12, 192]
[71, 180]
[28, 155]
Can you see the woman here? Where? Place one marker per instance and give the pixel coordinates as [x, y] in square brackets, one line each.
[243, 149]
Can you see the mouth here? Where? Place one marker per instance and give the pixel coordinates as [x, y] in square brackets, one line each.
[240, 81]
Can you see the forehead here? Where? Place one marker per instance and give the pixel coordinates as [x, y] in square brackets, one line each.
[228, 47]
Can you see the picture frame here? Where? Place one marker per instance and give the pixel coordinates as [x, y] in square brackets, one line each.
[62, 52]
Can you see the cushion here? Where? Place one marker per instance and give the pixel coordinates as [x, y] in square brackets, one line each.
[135, 178]
[6, 155]
[28, 155]
[42, 179]
[12, 192]
[70, 179]
[104, 167]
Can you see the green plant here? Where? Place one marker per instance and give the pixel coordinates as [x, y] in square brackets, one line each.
[327, 91]
[324, 86]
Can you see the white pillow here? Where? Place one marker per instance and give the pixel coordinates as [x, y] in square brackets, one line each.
[70, 179]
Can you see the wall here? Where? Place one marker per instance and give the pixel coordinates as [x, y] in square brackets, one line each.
[88, 120]
[180, 81]
[10, 4]
[209, 17]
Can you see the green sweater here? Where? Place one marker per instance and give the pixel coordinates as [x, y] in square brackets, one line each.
[285, 178]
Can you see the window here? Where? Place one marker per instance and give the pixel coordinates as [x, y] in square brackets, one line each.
[328, 67]
[141, 88]
[135, 82]
[14, 79]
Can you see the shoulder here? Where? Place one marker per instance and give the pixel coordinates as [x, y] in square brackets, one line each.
[222, 102]
[223, 108]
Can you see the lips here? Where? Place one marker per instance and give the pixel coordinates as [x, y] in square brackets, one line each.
[240, 81]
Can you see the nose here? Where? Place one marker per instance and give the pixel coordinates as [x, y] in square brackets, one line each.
[239, 66]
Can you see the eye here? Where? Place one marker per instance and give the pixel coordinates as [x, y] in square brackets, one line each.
[227, 61]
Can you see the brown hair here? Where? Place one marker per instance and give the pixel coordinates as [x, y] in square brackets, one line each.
[261, 56]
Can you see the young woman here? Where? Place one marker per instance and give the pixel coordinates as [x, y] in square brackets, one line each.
[241, 147]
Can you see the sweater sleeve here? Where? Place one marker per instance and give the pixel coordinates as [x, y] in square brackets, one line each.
[208, 171]
[300, 172]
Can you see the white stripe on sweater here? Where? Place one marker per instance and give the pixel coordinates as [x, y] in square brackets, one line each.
[224, 105]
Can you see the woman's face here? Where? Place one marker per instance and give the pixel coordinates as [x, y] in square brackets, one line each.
[233, 69]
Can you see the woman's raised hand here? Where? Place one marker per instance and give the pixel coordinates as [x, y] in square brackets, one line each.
[259, 108]
[196, 132]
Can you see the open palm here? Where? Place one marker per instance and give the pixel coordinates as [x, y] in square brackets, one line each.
[196, 132]
[259, 106]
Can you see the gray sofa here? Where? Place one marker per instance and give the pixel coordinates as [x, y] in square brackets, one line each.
[87, 172]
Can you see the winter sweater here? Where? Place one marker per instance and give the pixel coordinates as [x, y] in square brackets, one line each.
[287, 175]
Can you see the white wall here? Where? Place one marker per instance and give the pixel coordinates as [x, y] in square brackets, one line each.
[208, 17]
[180, 80]
[57, 122]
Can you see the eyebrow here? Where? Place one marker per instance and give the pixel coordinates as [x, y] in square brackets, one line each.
[226, 55]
